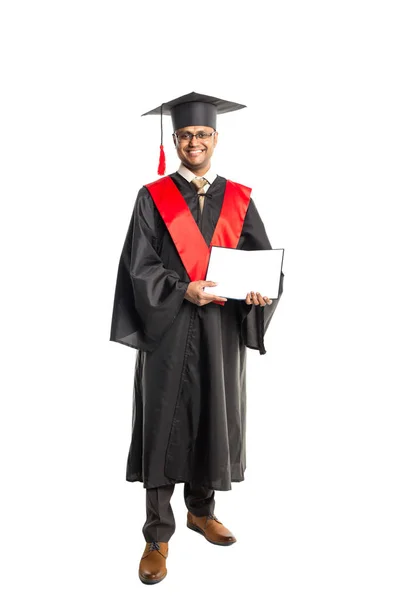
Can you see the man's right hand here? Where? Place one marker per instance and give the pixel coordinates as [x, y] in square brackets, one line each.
[195, 293]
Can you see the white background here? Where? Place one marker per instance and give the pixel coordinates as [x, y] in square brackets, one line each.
[318, 514]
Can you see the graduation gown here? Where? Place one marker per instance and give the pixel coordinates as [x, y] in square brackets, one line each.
[189, 397]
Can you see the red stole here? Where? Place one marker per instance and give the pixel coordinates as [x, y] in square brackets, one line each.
[184, 231]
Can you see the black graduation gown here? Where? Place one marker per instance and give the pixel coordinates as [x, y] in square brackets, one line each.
[189, 398]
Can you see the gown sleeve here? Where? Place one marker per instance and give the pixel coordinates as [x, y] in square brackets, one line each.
[255, 320]
[147, 295]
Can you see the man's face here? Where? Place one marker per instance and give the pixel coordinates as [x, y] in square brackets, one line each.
[195, 153]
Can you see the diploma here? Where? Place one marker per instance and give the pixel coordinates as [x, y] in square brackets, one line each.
[239, 272]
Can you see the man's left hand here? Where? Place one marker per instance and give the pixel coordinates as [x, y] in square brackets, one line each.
[257, 299]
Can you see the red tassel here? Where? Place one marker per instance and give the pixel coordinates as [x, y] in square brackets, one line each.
[161, 162]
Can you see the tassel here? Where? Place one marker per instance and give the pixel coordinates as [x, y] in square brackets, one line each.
[161, 162]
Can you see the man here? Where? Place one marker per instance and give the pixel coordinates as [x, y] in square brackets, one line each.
[189, 406]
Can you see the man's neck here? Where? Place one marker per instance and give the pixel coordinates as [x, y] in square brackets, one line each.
[189, 175]
[198, 172]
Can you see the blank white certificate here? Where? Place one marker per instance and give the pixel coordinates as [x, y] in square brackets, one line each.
[239, 272]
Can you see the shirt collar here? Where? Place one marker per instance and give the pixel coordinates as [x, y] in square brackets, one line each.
[188, 175]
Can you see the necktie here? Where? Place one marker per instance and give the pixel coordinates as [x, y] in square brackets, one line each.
[199, 183]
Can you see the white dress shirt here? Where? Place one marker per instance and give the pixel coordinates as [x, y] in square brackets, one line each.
[189, 176]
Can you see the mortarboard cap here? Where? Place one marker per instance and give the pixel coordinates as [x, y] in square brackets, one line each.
[191, 109]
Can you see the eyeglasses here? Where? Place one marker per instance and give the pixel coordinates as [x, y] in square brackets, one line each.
[187, 136]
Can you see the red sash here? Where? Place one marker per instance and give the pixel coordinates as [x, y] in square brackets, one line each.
[184, 231]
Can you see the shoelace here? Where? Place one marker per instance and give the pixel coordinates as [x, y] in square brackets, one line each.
[154, 546]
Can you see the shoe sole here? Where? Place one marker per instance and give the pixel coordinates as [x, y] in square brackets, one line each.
[198, 530]
[151, 581]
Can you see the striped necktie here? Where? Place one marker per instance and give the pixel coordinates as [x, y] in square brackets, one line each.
[199, 183]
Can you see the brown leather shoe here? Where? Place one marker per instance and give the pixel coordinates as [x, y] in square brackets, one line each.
[211, 528]
[152, 568]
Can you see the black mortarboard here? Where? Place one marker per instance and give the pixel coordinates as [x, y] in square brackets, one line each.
[191, 109]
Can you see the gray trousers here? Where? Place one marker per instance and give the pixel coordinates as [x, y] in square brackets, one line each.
[160, 522]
